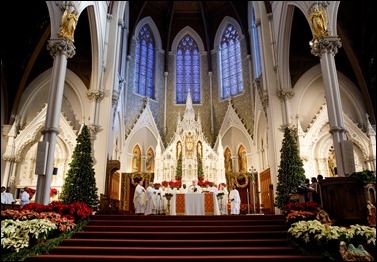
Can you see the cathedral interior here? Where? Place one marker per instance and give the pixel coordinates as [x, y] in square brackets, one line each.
[214, 80]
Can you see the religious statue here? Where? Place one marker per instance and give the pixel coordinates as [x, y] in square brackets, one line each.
[371, 214]
[243, 161]
[319, 21]
[135, 161]
[68, 24]
[149, 161]
[352, 253]
[323, 217]
[199, 149]
[228, 162]
[189, 144]
[179, 149]
[331, 162]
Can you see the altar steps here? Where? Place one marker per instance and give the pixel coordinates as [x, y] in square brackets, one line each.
[179, 238]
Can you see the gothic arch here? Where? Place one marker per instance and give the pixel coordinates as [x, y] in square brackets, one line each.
[156, 34]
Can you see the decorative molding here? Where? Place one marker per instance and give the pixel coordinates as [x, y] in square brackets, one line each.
[61, 47]
[95, 94]
[93, 130]
[285, 93]
[325, 45]
[9, 158]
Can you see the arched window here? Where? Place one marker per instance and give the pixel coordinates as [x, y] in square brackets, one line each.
[230, 62]
[188, 70]
[255, 45]
[144, 62]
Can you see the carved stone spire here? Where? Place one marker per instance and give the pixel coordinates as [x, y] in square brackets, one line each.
[189, 107]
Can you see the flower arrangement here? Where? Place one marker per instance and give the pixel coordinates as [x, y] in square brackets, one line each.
[204, 183]
[31, 192]
[175, 184]
[325, 239]
[16, 234]
[77, 211]
[300, 211]
[62, 223]
[35, 229]
[53, 192]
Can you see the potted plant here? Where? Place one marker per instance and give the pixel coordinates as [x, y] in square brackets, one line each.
[365, 176]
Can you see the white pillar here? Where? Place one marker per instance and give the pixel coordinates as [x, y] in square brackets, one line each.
[326, 47]
[60, 49]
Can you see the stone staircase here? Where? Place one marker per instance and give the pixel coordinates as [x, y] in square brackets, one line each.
[179, 238]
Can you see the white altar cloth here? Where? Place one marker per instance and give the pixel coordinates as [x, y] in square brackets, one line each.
[194, 204]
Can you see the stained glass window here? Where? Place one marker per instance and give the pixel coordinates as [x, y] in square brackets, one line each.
[231, 67]
[188, 70]
[144, 62]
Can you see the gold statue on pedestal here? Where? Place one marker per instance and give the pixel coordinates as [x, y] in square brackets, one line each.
[319, 21]
[68, 24]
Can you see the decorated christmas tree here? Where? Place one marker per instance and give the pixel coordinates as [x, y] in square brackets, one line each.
[80, 183]
[178, 173]
[200, 168]
[291, 173]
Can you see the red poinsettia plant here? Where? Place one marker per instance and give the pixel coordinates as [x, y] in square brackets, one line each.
[31, 192]
[175, 184]
[204, 183]
[53, 192]
[295, 212]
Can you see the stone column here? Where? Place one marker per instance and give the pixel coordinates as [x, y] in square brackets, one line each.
[60, 50]
[325, 48]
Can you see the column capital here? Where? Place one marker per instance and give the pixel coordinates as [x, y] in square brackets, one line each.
[95, 94]
[61, 47]
[93, 130]
[285, 93]
[9, 158]
[326, 44]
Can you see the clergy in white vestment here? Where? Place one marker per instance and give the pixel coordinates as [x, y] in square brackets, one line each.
[3, 195]
[10, 199]
[183, 189]
[222, 196]
[150, 200]
[235, 201]
[164, 205]
[212, 189]
[195, 188]
[139, 198]
[158, 202]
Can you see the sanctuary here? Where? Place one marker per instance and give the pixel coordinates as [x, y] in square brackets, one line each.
[189, 156]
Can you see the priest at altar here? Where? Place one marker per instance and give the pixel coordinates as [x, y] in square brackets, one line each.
[194, 187]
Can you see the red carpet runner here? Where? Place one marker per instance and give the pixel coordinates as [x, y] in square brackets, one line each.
[179, 238]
